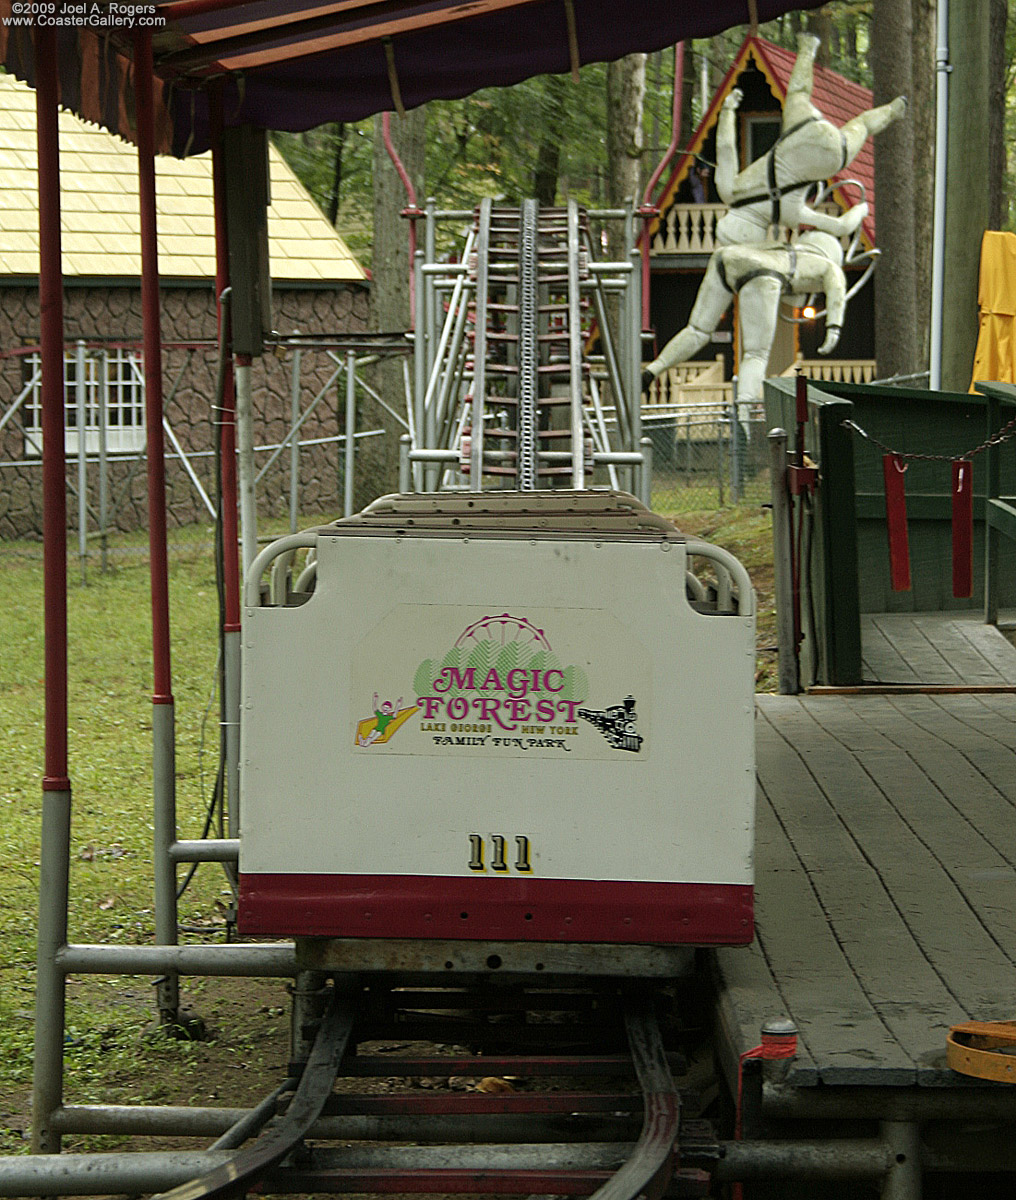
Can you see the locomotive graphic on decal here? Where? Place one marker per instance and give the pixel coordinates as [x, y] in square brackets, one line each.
[617, 724]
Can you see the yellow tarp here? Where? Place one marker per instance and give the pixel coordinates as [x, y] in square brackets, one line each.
[995, 356]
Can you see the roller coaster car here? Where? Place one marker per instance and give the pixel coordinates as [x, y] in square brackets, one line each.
[498, 718]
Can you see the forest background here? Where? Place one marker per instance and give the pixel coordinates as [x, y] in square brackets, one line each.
[599, 138]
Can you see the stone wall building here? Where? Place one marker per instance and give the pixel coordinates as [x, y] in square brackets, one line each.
[318, 289]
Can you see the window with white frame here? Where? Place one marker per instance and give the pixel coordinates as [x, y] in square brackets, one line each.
[119, 398]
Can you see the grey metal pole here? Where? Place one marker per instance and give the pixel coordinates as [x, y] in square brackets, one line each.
[635, 285]
[646, 472]
[231, 688]
[720, 457]
[450, 378]
[232, 959]
[245, 462]
[977, 1105]
[224, 850]
[626, 329]
[789, 669]
[116, 1173]
[405, 474]
[164, 836]
[81, 407]
[429, 282]
[103, 384]
[852, 1158]
[350, 456]
[419, 367]
[578, 463]
[310, 997]
[903, 1144]
[163, 1120]
[610, 355]
[294, 445]
[426, 317]
[480, 349]
[54, 870]
[735, 454]
[447, 351]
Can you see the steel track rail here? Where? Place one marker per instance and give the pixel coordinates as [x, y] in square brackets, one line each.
[469, 1162]
[482, 296]
[615, 1170]
[528, 352]
[648, 1170]
[236, 1176]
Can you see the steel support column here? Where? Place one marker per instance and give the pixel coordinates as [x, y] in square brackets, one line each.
[245, 462]
[902, 1140]
[349, 461]
[163, 716]
[56, 799]
[227, 499]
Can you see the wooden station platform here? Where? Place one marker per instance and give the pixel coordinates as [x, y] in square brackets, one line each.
[939, 649]
[886, 884]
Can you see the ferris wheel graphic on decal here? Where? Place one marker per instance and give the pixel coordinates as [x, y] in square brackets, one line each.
[471, 681]
[501, 630]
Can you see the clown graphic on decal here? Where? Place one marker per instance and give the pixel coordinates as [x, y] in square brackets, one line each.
[388, 718]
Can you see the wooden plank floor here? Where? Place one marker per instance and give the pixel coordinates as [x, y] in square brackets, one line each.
[885, 882]
[940, 648]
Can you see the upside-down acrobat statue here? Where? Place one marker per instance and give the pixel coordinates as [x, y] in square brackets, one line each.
[767, 202]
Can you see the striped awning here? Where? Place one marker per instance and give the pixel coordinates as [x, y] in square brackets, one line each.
[295, 64]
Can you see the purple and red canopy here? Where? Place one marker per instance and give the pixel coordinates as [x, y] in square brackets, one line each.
[294, 64]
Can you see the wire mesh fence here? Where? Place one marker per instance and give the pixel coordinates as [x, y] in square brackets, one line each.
[707, 457]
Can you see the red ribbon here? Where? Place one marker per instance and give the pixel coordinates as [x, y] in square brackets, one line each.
[963, 528]
[772, 1046]
[893, 469]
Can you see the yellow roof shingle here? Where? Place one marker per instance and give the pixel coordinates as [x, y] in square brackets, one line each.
[99, 207]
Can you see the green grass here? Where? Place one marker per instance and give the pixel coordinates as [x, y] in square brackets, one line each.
[747, 532]
[109, 746]
[112, 1054]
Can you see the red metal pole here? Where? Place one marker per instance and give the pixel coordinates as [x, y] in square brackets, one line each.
[227, 415]
[152, 334]
[53, 463]
[55, 831]
[163, 709]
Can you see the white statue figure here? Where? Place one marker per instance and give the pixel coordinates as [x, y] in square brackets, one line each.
[760, 275]
[773, 190]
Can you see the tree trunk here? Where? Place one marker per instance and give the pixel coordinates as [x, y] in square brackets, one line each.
[850, 48]
[967, 212]
[548, 155]
[922, 113]
[626, 88]
[335, 195]
[377, 470]
[389, 293]
[895, 279]
[996, 116]
[820, 23]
